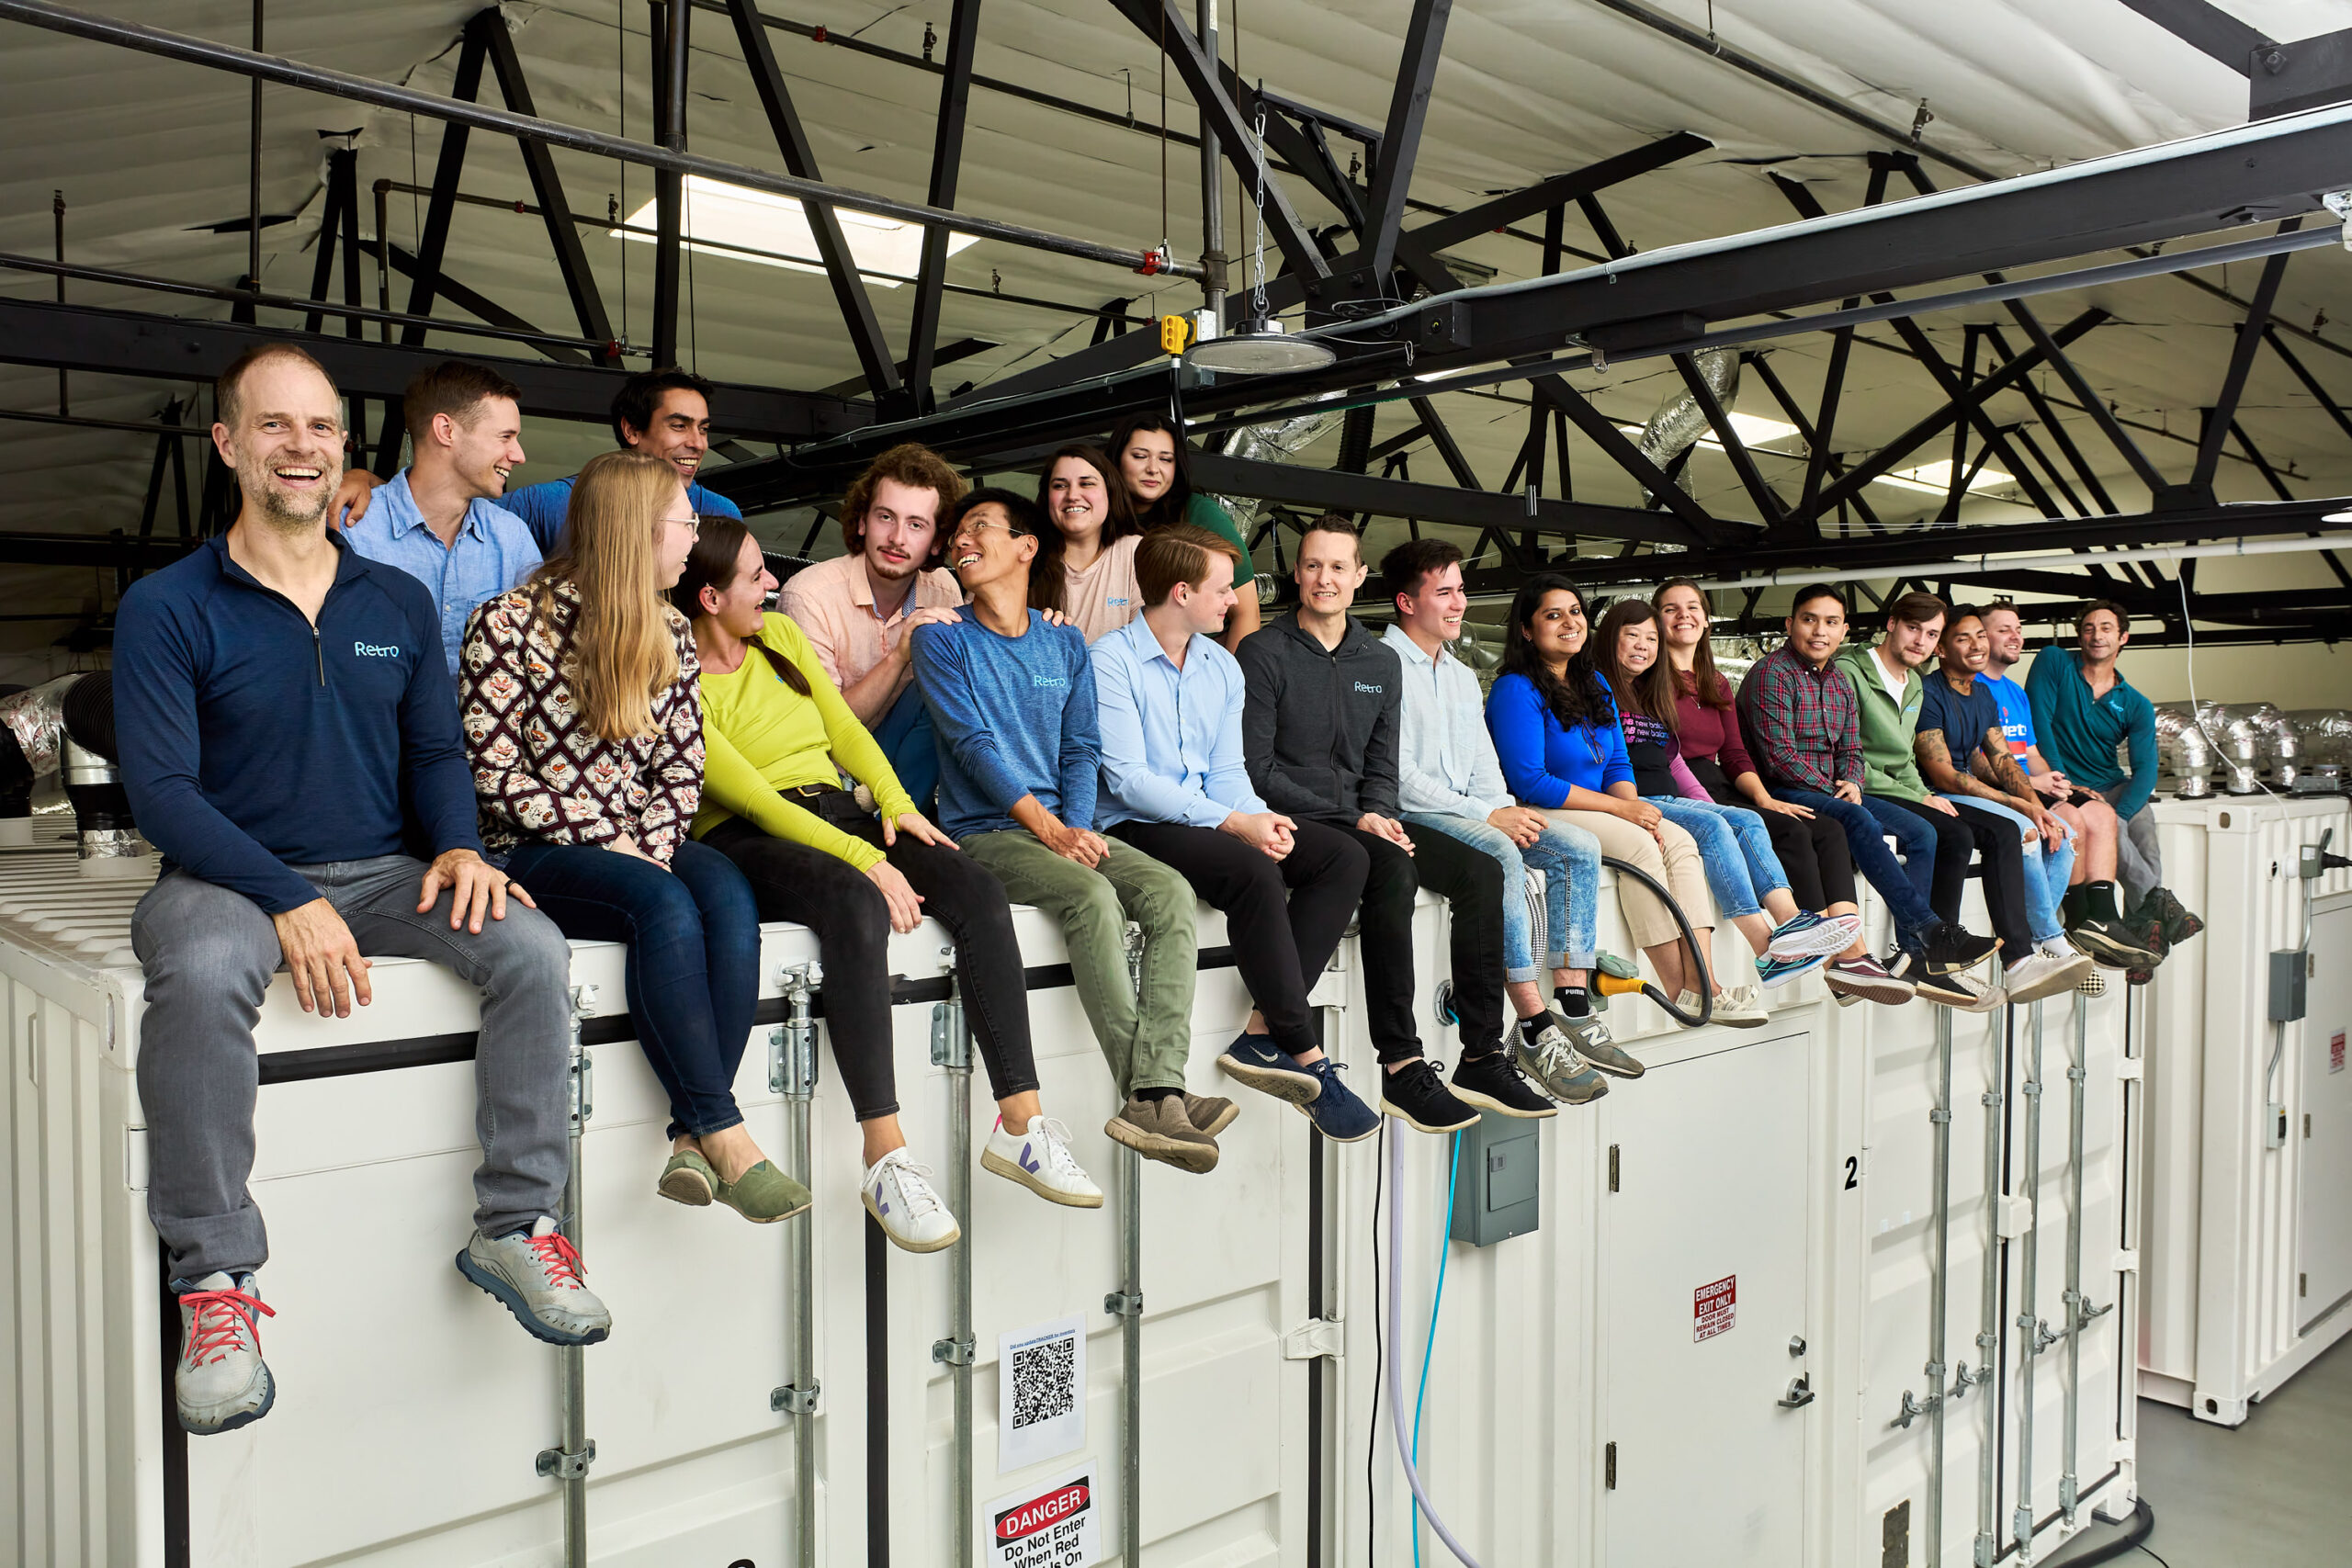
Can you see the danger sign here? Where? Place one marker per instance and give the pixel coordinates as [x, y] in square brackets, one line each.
[1712, 1308]
[1050, 1526]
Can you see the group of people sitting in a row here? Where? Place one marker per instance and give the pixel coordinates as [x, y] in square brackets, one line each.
[573, 700]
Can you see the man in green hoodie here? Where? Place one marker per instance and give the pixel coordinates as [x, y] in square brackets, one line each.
[1936, 837]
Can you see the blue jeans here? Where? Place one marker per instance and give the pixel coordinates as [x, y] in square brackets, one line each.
[1569, 859]
[1735, 847]
[906, 739]
[2047, 871]
[693, 959]
[1904, 884]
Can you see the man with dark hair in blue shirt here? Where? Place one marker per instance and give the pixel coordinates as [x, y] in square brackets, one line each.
[279, 697]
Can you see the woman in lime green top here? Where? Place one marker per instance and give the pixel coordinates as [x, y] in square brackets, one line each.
[777, 738]
[1158, 474]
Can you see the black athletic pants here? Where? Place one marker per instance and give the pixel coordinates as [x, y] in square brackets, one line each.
[1473, 883]
[1813, 852]
[1283, 917]
[1996, 842]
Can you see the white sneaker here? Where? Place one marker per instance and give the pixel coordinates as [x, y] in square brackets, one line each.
[2045, 974]
[1040, 1160]
[1741, 1007]
[898, 1194]
[221, 1383]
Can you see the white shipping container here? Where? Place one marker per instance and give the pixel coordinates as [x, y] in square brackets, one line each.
[2249, 1254]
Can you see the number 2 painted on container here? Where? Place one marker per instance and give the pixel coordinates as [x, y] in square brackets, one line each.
[1853, 1172]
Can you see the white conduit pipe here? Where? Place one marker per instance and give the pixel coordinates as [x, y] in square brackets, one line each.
[1796, 576]
[1397, 1349]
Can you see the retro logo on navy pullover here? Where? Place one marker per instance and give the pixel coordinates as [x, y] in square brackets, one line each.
[251, 742]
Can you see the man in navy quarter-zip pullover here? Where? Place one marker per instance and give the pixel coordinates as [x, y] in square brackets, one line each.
[278, 698]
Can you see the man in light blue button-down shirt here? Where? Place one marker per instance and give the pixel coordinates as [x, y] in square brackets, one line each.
[436, 520]
[1168, 703]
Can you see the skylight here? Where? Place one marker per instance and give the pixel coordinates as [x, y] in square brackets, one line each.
[720, 215]
[1935, 478]
[1753, 430]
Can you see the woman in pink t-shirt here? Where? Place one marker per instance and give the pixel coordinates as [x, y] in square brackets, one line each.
[1086, 568]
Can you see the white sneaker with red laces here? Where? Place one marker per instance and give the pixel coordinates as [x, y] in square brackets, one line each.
[221, 1383]
[537, 1275]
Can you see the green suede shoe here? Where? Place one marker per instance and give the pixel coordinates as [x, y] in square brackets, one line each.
[689, 1180]
[764, 1195]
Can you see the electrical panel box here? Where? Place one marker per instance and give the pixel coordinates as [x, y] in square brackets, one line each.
[2288, 979]
[1495, 1187]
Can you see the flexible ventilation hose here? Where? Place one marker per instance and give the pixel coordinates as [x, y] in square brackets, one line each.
[1706, 987]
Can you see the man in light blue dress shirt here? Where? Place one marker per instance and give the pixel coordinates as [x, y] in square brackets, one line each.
[437, 519]
[1168, 701]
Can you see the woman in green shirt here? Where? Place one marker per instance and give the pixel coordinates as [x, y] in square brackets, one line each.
[778, 737]
[1158, 475]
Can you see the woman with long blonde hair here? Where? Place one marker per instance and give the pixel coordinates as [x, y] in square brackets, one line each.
[584, 723]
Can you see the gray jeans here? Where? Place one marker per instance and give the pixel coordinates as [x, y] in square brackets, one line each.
[209, 955]
[2139, 864]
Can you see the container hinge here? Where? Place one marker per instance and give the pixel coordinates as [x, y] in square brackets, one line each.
[950, 1046]
[2068, 1499]
[1318, 1336]
[1985, 1554]
[563, 1465]
[954, 1352]
[794, 1400]
[2127, 1261]
[2132, 1069]
[1125, 1304]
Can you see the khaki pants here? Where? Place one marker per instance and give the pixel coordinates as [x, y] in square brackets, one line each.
[1677, 866]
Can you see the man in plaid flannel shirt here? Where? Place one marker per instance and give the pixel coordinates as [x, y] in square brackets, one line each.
[1803, 722]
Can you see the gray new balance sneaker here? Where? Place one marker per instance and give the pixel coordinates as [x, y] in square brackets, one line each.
[221, 1383]
[1551, 1061]
[1591, 1040]
[536, 1276]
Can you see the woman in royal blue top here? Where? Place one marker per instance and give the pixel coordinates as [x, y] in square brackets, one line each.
[1554, 725]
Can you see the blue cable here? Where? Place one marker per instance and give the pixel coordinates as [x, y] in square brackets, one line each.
[1444, 1252]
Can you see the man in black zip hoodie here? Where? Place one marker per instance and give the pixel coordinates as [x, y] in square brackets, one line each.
[1319, 734]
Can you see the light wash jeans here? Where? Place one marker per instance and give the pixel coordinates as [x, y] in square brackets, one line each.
[2047, 871]
[1569, 859]
[1735, 846]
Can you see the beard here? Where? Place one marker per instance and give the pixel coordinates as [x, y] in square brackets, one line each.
[284, 510]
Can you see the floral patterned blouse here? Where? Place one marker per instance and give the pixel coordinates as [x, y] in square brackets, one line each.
[540, 771]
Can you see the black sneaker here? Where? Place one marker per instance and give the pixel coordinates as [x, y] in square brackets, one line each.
[2178, 924]
[1929, 986]
[1952, 949]
[1492, 1082]
[2110, 942]
[1415, 1096]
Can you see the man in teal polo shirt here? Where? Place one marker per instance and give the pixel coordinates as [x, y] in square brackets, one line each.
[2083, 710]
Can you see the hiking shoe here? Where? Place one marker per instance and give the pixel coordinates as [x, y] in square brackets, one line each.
[2111, 943]
[1742, 1007]
[1951, 948]
[1336, 1112]
[1773, 972]
[1589, 1038]
[1944, 990]
[1809, 934]
[1210, 1113]
[535, 1275]
[1040, 1160]
[1491, 1081]
[1265, 1066]
[1866, 980]
[2139, 976]
[2042, 973]
[764, 1195]
[689, 1180]
[898, 1194]
[221, 1383]
[2178, 924]
[1415, 1096]
[1159, 1129]
[1551, 1061]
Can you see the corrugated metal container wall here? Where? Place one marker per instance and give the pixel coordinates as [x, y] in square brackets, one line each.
[2228, 1314]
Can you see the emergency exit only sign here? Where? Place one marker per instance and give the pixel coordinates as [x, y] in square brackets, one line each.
[1713, 1308]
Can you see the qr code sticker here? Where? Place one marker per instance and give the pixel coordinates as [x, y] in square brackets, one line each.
[1044, 1381]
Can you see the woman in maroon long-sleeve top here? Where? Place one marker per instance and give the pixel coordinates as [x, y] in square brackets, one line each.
[1812, 848]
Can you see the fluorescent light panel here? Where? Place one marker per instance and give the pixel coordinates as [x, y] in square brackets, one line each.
[732, 215]
[1935, 478]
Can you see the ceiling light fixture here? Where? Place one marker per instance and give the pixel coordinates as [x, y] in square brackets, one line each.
[1259, 346]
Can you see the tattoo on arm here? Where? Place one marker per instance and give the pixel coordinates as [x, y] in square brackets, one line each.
[1935, 761]
[2006, 775]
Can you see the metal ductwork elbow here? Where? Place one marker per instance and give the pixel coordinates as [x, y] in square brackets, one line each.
[90, 760]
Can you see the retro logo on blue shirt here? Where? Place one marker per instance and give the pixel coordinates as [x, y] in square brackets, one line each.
[376, 651]
[1376, 691]
[1059, 681]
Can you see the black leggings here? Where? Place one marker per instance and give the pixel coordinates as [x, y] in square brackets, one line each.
[841, 904]
[1283, 917]
[1813, 852]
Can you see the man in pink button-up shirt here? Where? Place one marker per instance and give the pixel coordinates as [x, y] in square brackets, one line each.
[858, 609]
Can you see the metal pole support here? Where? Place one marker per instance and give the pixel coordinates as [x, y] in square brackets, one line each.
[1126, 1304]
[1940, 1120]
[792, 1073]
[951, 1047]
[569, 1464]
[2037, 1333]
[1988, 1335]
[2077, 1076]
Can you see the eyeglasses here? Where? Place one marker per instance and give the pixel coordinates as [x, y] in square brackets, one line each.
[984, 524]
[692, 524]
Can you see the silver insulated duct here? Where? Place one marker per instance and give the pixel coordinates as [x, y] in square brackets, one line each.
[1278, 443]
[2184, 751]
[1679, 422]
